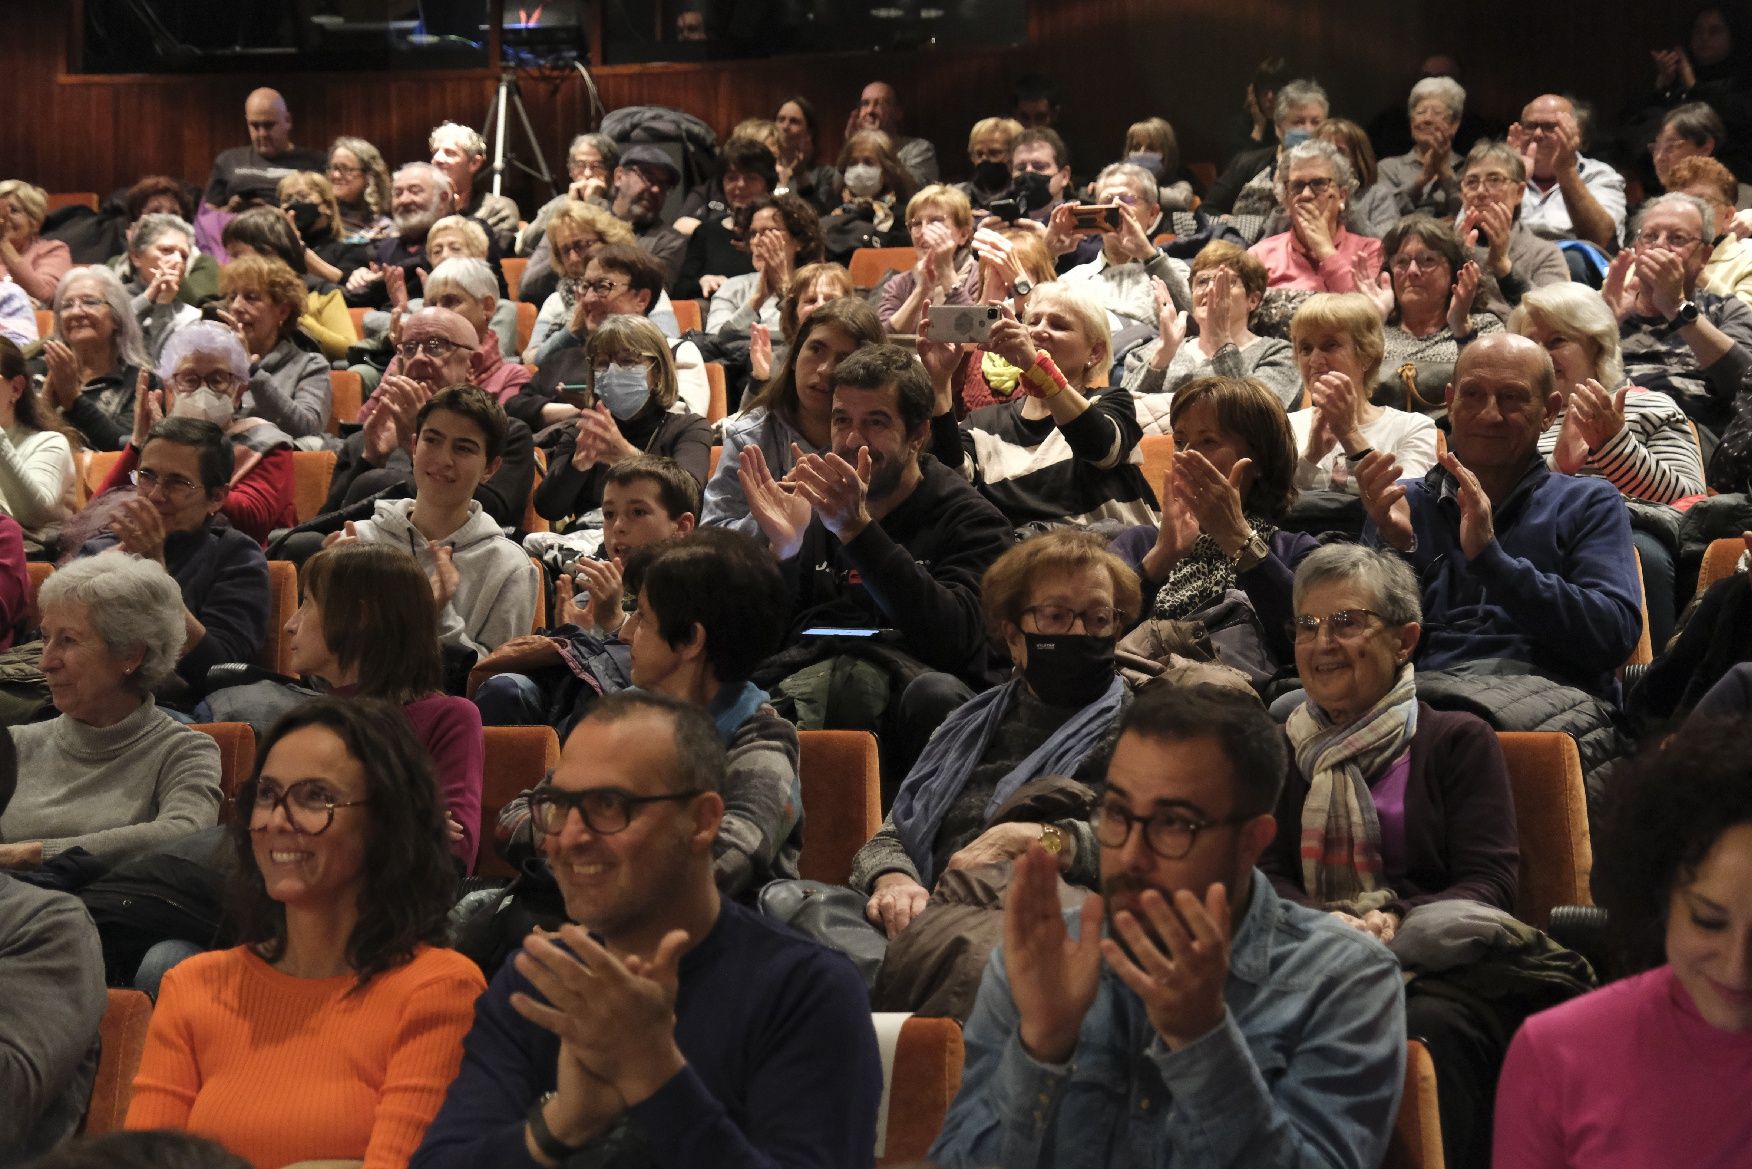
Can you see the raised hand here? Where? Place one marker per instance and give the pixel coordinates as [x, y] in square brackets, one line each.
[1377, 478]
[567, 609]
[760, 351]
[782, 513]
[1052, 978]
[236, 327]
[1598, 412]
[895, 901]
[1176, 533]
[1132, 241]
[1571, 452]
[1376, 285]
[941, 359]
[148, 410]
[837, 491]
[1460, 300]
[395, 282]
[1061, 230]
[349, 534]
[1009, 339]
[1179, 965]
[1220, 326]
[1215, 499]
[444, 576]
[599, 440]
[603, 582]
[997, 256]
[362, 278]
[139, 529]
[1309, 224]
[166, 282]
[1477, 524]
[1525, 144]
[1340, 404]
[1621, 290]
[1171, 325]
[63, 384]
[1661, 276]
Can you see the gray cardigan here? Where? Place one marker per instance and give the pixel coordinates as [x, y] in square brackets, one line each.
[289, 388]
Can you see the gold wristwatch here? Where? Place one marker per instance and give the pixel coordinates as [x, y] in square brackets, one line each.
[1052, 839]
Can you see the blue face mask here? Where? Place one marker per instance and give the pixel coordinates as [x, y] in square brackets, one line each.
[1294, 138]
[623, 389]
[1150, 160]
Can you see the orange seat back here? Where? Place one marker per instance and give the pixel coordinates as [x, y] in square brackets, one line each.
[516, 759]
[121, 1045]
[842, 801]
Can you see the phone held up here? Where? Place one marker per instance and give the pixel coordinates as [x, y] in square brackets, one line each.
[961, 323]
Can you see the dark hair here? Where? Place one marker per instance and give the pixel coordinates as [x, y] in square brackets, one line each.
[877, 367]
[213, 449]
[158, 1149]
[1251, 742]
[265, 230]
[677, 490]
[1353, 140]
[697, 756]
[150, 188]
[852, 314]
[378, 615]
[1252, 413]
[410, 883]
[643, 271]
[1048, 135]
[1669, 805]
[809, 120]
[799, 218]
[1697, 123]
[8, 769]
[750, 156]
[1437, 235]
[728, 585]
[474, 404]
[801, 281]
[29, 408]
[1034, 87]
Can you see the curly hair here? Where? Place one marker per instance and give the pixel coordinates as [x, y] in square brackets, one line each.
[377, 184]
[409, 882]
[799, 218]
[804, 279]
[1003, 590]
[267, 275]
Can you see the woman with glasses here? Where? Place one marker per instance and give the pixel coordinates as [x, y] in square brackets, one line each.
[1492, 181]
[111, 774]
[360, 179]
[1058, 603]
[36, 460]
[939, 222]
[322, 320]
[331, 1032]
[575, 233]
[288, 384]
[1431, 301]
[784, 234]
[93, 357]
[1338, 343]
[627, 406]
[1318, 253]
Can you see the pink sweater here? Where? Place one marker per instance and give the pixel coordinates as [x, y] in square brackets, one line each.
[450, 727]
[1628, 1077]
[1288, 266]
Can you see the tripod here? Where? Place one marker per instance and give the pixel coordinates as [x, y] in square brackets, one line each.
[505, 99]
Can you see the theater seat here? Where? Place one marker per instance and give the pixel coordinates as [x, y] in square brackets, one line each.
[688, 316]
[516, 758]
[276, 652]
[1158, 454]
[720, 391]
[98, 465]
[532, 519]
[1644, 652]
[921, 1072]
[122, 1036]
[513, 267]
[1416, 1142]
[1719, 561]
[311, 472]
[346, 396]
[358, 315]
[1551, 819]
[870, 265]
[38, 571]
[237, 748]
[842, 801]
[45, 319]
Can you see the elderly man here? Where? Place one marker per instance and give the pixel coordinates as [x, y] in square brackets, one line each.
[1694, 346]
[246, 175]
[1121, 271]
[1246, 187]
[460, 152]
[420, 196]
[1492, 181]
[1728, 270]
[661, 1025]
[1423, 178]
[642, 182]
[1568, 196]
[879, 109]
[1211, 1022]
[1524, 571]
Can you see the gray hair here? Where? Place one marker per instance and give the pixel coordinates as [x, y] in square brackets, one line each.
[208, 337]
[605, 146]
[1579, 310]
[440, 180]
[466, 137]
[1386, 578]
[134, 605]
[1299, 92]
[130, 344]
[151, 228]
[1316, 150]
[467, 273]
[1496, 150]
[1140, 179]
[1444, 89]
[1705, 213]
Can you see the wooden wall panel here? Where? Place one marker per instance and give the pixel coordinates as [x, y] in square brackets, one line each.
[1117, 60]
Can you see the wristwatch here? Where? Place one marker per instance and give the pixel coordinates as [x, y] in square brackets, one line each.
[550, 1145]
[1687, 314]
[1052, 839]
[1252, 553]
[1022, 286]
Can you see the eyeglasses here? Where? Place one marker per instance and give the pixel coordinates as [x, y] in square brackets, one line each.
[1473, 183]
[578, 169]
[1662, 146]
[84, 302]
[309, 806]
[220, 381]
[920, 224]
[174, 487]
[1677, 240]
[1170, 835]
[1126, 197]
[601, 287]
[576, 247]
[336, 168]
[1101, 621]
[1312, 186]
[1426, 262]
[1343, 625]
[436, 348]
[605, 810]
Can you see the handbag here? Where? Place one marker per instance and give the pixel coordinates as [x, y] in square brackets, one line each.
[832, 915]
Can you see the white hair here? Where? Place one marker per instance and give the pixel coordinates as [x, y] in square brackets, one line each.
[129, 342]
[209, 337]
[440, 180]
[466, 137]
[152, 227]
[1143, 183]
[1444, 89]
[1705, 213]
[1316, 150]
[1299, 92]
[134, 605]
[473, 276]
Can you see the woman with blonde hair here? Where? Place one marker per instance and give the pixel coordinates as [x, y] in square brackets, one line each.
[309, 204]
[288, 384]
[34, 263]
[362, 187]
[988, 148]
[575, 233]
[939, 221]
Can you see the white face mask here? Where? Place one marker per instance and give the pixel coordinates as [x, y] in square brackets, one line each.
[864, 180]
[204, 403]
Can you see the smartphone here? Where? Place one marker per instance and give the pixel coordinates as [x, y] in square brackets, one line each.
[1096, 218]
[965, 323]
[839, 631]
[573, 394]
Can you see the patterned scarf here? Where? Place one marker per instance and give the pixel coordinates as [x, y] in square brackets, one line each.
[1341, 833]
[571, 289]
[1203, 575]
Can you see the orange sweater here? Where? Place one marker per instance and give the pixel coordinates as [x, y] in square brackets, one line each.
[281, 1069]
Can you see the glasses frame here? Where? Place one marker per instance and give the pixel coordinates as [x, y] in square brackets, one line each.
[1103, 813]
[199, 383]
[175, 490]
[1316, 186]
[283, 802]
[408, 350]
[1312, 626]
[546, 794]
[1078, 617]
[601, 287]
[1491, 182]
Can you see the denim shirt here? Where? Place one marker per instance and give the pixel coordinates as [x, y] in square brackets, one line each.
[1305, 1070]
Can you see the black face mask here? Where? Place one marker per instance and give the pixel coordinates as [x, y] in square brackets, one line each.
[304, 216]
[991, 176]
[1033, 190]
[1068, 669]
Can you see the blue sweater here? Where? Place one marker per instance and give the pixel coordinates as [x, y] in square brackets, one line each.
[782, 1067]
[1556, 589]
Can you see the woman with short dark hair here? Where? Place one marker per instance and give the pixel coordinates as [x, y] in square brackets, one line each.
[746, 172]
[1431, 300]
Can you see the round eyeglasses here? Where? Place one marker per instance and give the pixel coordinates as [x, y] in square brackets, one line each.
[309, 806]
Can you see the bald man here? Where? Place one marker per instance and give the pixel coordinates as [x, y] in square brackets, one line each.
[1523, 570]
[879, 109]
[1568, 196]
[246, 175]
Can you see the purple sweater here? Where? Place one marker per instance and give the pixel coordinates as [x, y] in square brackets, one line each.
[450, 727]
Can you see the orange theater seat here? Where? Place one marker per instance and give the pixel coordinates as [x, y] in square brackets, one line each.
[516, 758]
[842, 801]
[921, 1072]
[121, 1044]
[237, 748]
[1416, 1141]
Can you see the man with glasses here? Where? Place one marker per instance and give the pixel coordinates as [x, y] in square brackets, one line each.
[1190, 1015]
[662, 1024]
[1568, 196]
[1492, 181]
[246, 175]
[642, 183]
[1123, 272]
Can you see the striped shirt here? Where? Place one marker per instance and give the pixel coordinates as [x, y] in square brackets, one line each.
[1653, 458]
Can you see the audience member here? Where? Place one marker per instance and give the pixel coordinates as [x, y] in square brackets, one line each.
[420, 197]
[1151, 144]
[1728, 271]
[606, 1059]
[341, 890]
[1040, 172]
[162, 195]
[575, 232]
[939, 221]
[875, 188]
[879, 109]
[245, 175]
[1034, 101]
[642, 183]
[1057, 602]
[590, 163]
[1521, 570]
[988, 148]
[1430, 298]
[460, 152]
[113, 774]
[467, 287]
[1693, 130]
[288, 385]
[784, 234]
[367, 628]
[457, 237]
[1060, 452]
[812, 286]
[800, 169]
[1493, 182]
[1318, 253]
[1623, 1076]
[176, 519]
[18, 321]
[53, 1006]
[1123, 273]
[747, 175]
[94, 357]
[1568, 195]
[625, 407]
[1203, 970]
[1247, 186]
[157, 263]
[1426, 177]
[331, 252]
[320, 308]
[33, 263]
[37, 478]
[1227, 285]
[362, 187]
[1374, 206]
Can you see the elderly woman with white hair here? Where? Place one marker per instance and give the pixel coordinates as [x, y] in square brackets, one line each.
[1060, 451]
[1318, 253]
[95, 357]
[1638, 440]
[158, 252]
[1426, 176]
[112, 774]
[35, 264]
[467, 287]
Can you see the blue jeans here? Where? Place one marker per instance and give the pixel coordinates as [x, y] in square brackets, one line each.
[159, 959]
[511, 700]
